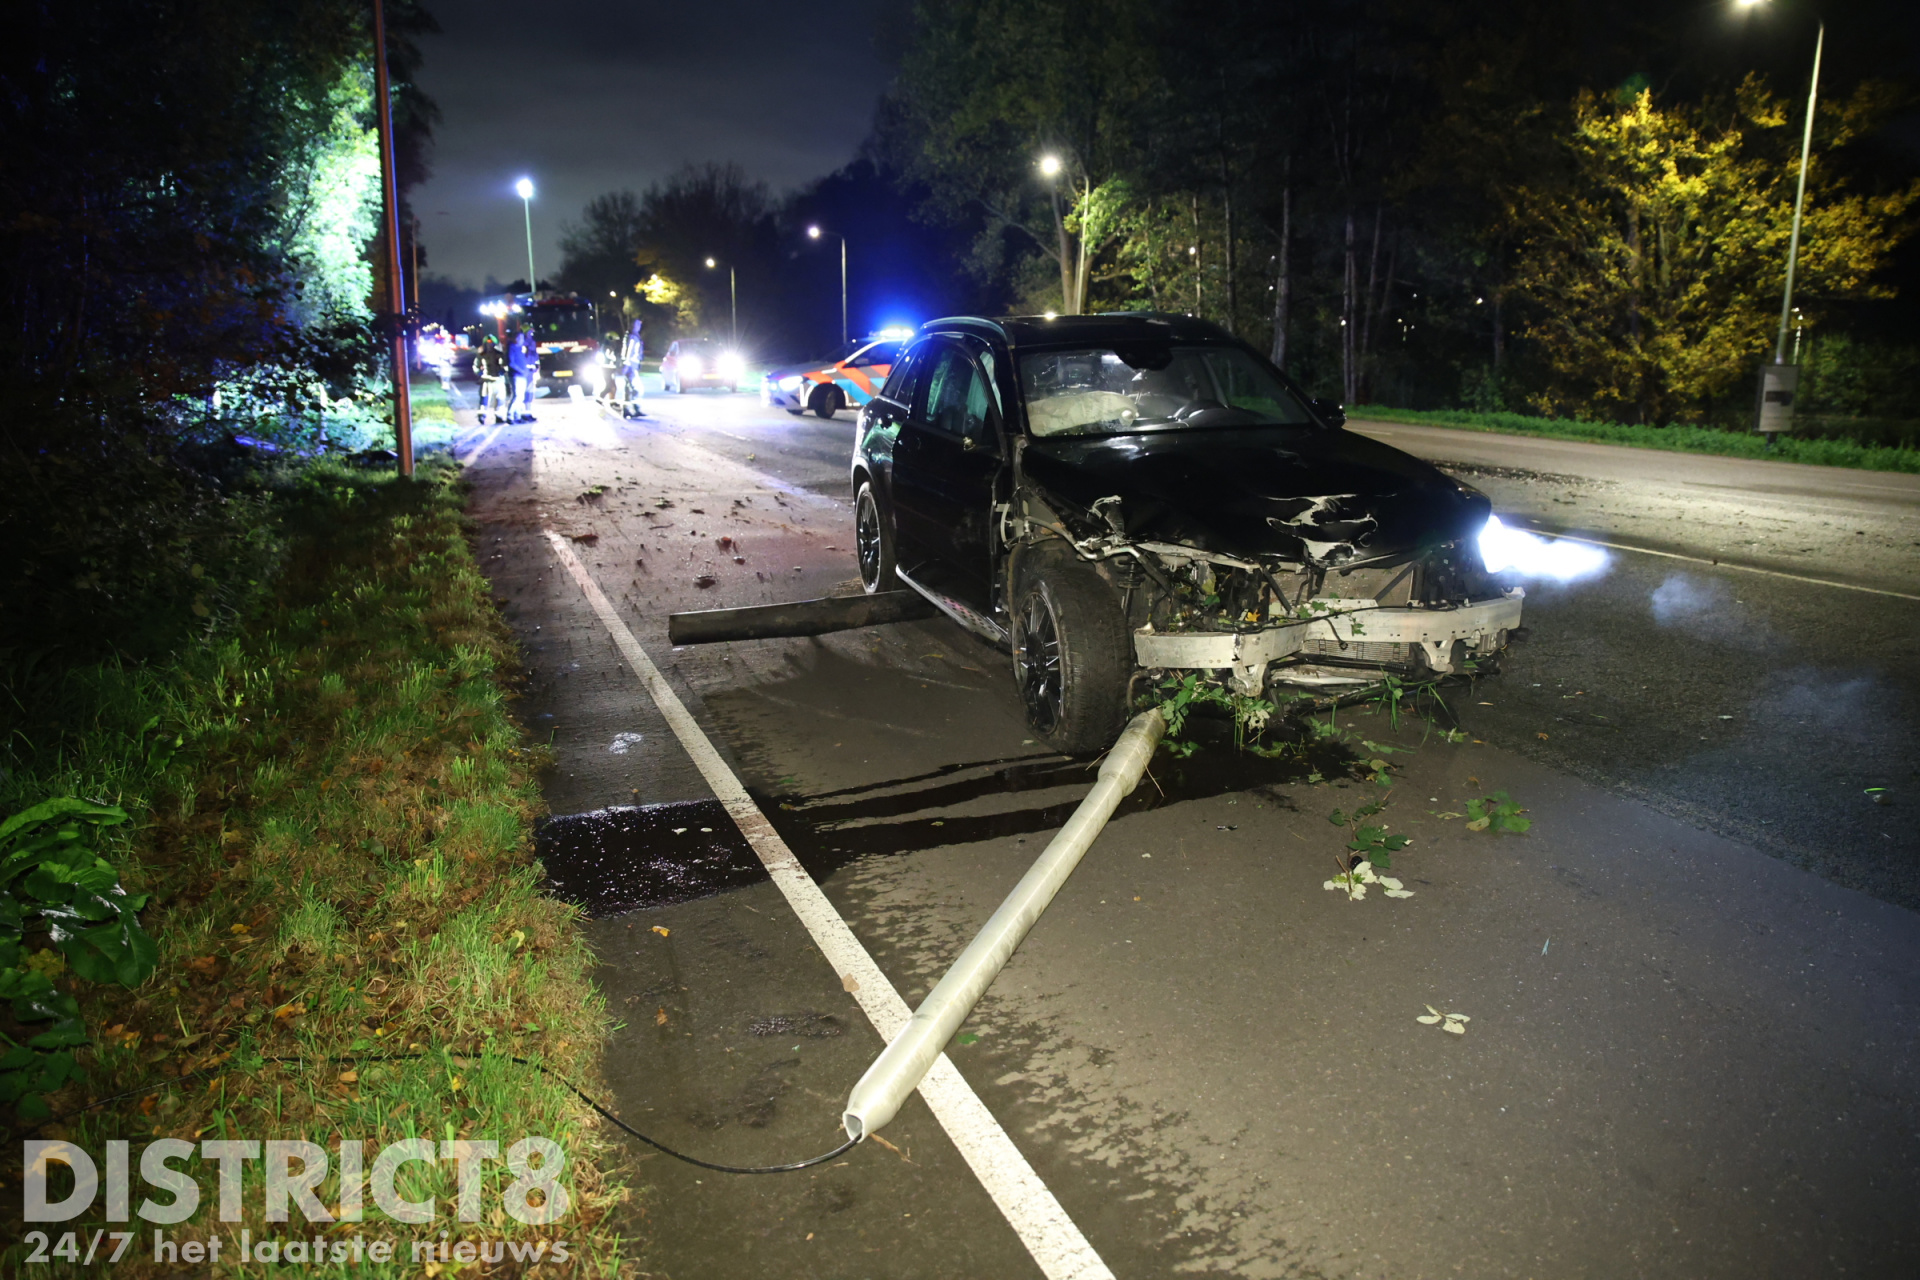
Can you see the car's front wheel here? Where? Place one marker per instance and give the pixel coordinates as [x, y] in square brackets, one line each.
[825, 401]
[873, 541]
[1071, 654]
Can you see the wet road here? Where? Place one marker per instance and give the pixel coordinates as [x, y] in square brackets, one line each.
[1688, 1056]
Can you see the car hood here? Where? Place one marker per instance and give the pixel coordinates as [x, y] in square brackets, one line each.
[800, 370]
[1325, 496]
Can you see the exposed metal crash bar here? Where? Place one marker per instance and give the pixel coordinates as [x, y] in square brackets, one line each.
[900, 1067]
[1248, 654]
[798, 618]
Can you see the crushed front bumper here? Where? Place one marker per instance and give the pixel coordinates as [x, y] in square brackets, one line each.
[1350, 635]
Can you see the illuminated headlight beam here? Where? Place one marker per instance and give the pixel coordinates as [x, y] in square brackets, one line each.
[1532, 556]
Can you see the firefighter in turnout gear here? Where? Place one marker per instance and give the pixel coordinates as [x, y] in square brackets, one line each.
[490, 366]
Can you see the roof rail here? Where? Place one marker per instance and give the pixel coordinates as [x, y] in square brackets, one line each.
[964, 322]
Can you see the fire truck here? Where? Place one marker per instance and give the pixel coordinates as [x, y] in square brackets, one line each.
[566, 327]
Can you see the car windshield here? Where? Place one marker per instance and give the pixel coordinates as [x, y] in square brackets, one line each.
[1153, 386]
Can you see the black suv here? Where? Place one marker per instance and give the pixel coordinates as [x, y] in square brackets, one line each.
[1116, 494]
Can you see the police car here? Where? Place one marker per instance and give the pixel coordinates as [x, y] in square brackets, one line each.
[839, 384]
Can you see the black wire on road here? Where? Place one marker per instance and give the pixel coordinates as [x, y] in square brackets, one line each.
[577, 1091]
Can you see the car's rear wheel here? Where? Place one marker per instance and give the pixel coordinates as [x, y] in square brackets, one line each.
[1071, 654]
[873, 541]
[824, 402]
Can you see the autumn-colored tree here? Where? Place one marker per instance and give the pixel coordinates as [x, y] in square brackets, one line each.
[1654, 268]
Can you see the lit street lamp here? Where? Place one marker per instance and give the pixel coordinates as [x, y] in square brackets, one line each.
[525, 188]
[813, 233]
[1780, 380]
[733, 297]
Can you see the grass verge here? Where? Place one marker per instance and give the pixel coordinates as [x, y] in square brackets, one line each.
[333, 812]
[1677, 439]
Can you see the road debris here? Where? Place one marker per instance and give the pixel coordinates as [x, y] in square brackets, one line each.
[1354, 883]
[1453, 1022]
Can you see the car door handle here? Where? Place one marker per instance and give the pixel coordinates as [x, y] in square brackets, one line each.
[969, 444]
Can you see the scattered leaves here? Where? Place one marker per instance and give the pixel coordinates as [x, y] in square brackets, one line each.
[1452, 1022]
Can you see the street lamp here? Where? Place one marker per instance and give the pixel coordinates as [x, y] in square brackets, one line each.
[1779, 381]
[733, 297]
[525, 189]
[813, 233]
[1072, 275]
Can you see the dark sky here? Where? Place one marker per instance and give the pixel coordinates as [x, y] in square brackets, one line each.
[590, 98]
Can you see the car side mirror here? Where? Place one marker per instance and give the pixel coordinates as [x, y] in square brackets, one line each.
[1330, 412]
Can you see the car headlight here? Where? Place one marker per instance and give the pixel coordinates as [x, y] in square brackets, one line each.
[732, 363]
[690, 366]
[791, 384]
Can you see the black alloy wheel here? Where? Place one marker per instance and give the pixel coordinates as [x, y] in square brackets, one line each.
[1072, 654]
[1037, 664]
[824, 402]
[873, 542]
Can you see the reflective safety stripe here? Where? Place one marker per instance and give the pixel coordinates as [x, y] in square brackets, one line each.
[858, 385]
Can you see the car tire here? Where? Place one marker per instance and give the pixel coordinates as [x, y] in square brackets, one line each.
[731, 388]
[823, 402]
[1072, 655]
[873, 541]
[797, 412]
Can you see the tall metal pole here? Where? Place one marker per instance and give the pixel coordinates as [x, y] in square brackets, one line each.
[1799, 202]
[396, 297]
[533, 281]
[733, 302]
[843, 291]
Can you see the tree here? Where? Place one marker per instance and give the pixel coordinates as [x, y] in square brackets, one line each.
[1654, 274]
[992, 88]
[192, 191]
[599, 253]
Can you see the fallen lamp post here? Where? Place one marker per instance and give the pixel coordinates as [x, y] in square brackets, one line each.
[797, 618]
[903, 1063]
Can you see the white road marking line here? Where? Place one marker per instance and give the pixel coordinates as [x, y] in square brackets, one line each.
[1043, 1226]
[482, 448]
[1715, 564]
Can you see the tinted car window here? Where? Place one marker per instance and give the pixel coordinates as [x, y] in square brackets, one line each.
[878, 353]
[1152, 387]
[905, 377]
[957, 397]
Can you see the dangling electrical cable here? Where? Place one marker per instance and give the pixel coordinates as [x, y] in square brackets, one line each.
[577, 1091]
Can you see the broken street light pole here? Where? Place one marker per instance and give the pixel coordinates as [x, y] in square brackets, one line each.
[800, 618]
[900, 1067]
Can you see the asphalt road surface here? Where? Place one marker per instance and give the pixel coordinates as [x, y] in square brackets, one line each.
[1692, 984]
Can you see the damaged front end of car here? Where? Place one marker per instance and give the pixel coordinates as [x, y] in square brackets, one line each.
[1321, 593]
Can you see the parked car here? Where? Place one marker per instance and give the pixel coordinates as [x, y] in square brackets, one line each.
[700, 362]
[827, 386]
[1110, 495]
